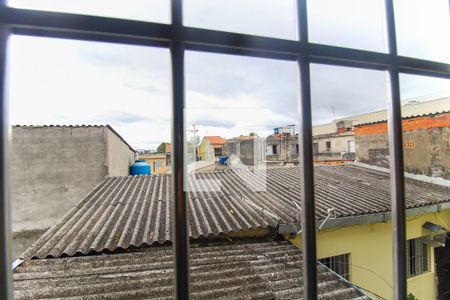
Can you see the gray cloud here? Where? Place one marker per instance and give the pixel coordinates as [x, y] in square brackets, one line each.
[216, 123]
[116, 117]
[273, 83]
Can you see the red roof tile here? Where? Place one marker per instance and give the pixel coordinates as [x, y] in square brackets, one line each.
[216, 140]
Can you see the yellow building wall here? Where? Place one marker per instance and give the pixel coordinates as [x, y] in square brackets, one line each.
[371, 259]
[203, 146]
[206, 151]
[162, 169]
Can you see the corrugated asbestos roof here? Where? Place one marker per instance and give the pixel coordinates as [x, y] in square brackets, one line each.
[249, 270]
[404, 118]
[124, 212]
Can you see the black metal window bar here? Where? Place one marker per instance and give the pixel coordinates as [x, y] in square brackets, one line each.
[178, 38]
[418, 257]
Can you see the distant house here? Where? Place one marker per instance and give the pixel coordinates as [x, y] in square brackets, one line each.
[232, 146]
[168, 154]
[211, 148]
[242, 147]
[53, 167]
[335, 141]
[426, 144]
[158, 162]
[282, 146]
[335, 146]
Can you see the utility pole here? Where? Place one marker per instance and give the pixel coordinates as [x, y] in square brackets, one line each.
[194, 131]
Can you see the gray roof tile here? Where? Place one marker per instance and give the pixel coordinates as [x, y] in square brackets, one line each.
[243, 269]
[124, 212]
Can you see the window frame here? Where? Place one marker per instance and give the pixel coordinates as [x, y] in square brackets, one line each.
[274, 149]
[315, 148]
[342, 261]
[418, 257]
[178, 38]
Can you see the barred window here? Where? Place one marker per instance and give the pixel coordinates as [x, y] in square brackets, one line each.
[339, 264]
[418, 257]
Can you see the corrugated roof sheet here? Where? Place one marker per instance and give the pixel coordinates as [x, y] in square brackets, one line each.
[124, 212]
[404, 118]
[240, 270]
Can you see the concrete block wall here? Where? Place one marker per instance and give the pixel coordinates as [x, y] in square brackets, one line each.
[53, 167]
[426, 144]
[119, 154]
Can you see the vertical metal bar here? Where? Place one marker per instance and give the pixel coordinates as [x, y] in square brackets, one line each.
[396, 164]
[390, 28]
[306, 164]
[5, 225]
[397, 187]
[181, 234]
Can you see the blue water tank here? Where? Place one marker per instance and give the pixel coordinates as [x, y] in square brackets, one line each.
[140, 167]
[223, 159]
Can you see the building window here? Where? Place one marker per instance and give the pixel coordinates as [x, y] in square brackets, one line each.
[328, 146]
[271, 150]
[339, 264]
[315, 148]
[418, 257]
[218, 151]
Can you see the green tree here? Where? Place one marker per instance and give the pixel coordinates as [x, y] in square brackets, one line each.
[411, 297]
[161, 148]
[253, 134]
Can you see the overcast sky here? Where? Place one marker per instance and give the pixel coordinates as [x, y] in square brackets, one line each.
[71, 82]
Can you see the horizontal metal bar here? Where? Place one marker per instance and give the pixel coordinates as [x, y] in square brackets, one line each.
[83, 36]
[93, 28]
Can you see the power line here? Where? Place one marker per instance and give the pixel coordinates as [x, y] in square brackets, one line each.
[371, 271]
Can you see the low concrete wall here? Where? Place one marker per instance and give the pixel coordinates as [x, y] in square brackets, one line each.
[53, 168]
[120, 155]
[370, 147]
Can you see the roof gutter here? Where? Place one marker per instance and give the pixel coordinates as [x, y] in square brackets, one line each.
[293, 228]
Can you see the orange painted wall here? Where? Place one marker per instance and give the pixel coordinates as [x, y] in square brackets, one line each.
[426, 122]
